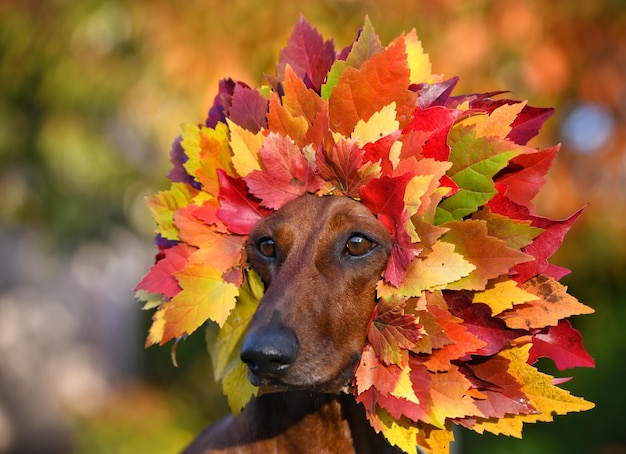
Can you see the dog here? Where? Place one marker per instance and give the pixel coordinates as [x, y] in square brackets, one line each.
[320, 259]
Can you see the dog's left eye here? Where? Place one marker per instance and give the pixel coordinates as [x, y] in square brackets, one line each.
[358, 245]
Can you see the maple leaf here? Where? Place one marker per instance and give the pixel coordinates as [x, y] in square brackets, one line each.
[490, 256]
[365, 47]
[561, 343]
[501, 392]
[423, 185]
[164, 204]
[553, 303]
[160, 278]
[288, 173]
[527, 123]
[379, 125]
[543, 246]
[299, 100]
[204, 295]
[178, 174]
[463, 342]
[517, 234]
[343, 167]
[449, 396]
[308, 55]
[359, 93]
[384, 197]
[282, 121]
[393, 332]
[477, 320]
[245, 146]
[548, 400]
[155, 332]
[208, 150]
[436, 122]
[525, 176]
[475, 161]
[441, 267]
[398, 432]
[497, 122]
[502, 294]
[248, 109]
[239, 210]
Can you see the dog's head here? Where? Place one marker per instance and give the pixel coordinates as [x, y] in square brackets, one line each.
[320, 259]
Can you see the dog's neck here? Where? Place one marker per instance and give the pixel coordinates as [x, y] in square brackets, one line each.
[280, 422]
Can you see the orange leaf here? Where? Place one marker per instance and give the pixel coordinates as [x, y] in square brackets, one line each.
[381, 80]
[490, 256]
[553, 303]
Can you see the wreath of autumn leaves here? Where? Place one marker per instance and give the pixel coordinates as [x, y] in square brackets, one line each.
[468, 301]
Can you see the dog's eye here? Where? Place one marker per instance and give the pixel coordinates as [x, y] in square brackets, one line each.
[358, 245]
[266, 247]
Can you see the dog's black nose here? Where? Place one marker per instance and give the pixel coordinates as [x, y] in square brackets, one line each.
[270, 353]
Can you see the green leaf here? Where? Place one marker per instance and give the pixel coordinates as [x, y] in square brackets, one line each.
[225, 344]
[475, 161]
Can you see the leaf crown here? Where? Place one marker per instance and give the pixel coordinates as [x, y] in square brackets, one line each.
[468, 301]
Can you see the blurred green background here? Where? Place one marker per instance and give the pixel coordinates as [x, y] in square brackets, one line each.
[93, 92]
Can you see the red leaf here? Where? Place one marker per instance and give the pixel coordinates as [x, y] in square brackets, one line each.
[308, 55]
[563, 344]
[463, 342]
[384, 197]
[437, 121]
[544, 246]
[392, 331]
[248, 109]
[504, 393]
[526, 179]
[288, 173]
[239, 210]
[341, 166]
[477, 320]
[160, 278]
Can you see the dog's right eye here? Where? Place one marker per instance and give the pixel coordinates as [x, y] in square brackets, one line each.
[266, 247]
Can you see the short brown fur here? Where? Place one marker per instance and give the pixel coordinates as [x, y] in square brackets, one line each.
[308, 332]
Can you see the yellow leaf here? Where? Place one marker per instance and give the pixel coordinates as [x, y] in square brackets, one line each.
[501, 294]
[379, 125]
[435, 271]
[155, 334]
[204, 296]
[415, 190]
[548, 399]
[207, 149]
[418, 61]
[401, 435]
[498, 123]
[237, 388]
[245, 146]
[404, 387]
[164, 204]
[509, 425]
[435, 441]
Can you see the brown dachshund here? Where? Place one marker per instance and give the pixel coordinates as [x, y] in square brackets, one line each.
[320, 259]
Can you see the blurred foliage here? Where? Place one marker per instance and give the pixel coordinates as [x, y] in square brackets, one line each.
[92, 93]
